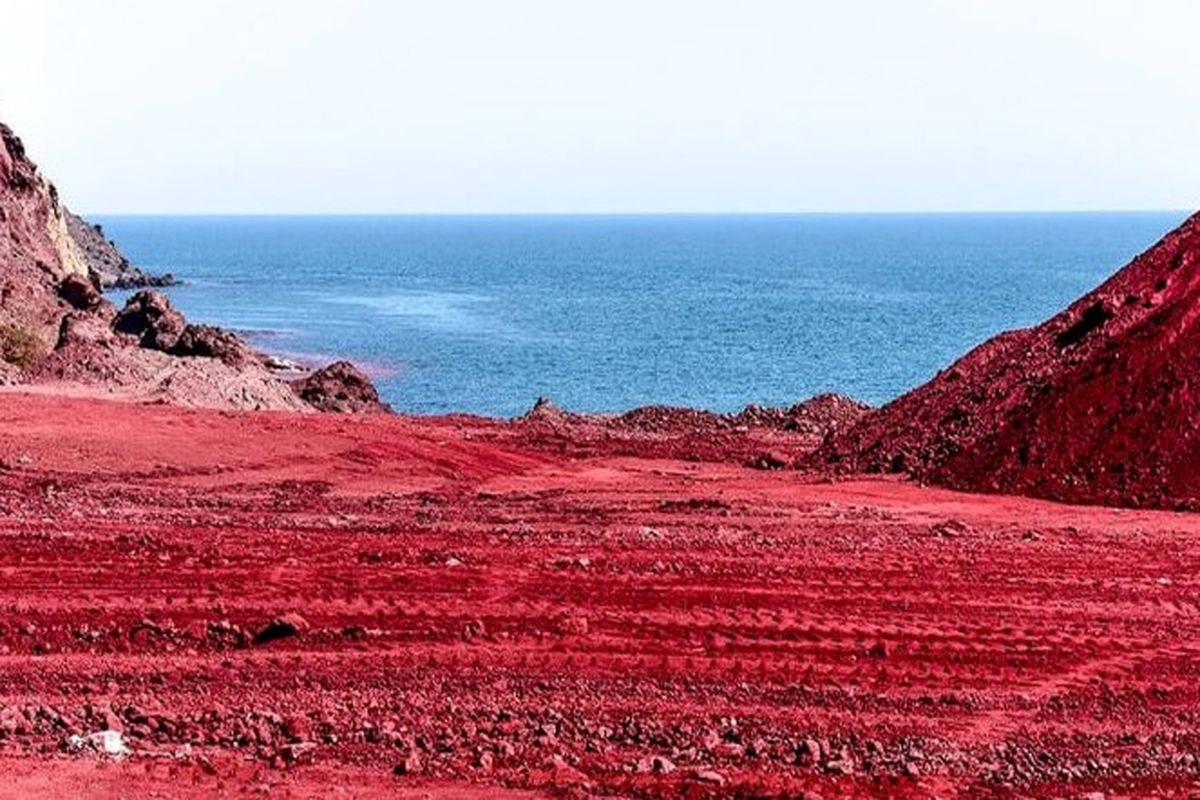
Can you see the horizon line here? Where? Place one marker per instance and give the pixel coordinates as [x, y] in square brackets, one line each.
[526, 214]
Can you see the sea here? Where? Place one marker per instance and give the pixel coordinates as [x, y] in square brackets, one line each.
[483, 314]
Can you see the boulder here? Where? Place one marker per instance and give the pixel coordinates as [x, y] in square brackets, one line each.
[83, 328]
[150, 316]
[80, 292]
[341, 388]
[282, 627]
[208, 341]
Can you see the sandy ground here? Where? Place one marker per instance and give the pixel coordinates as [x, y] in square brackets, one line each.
[468, 612]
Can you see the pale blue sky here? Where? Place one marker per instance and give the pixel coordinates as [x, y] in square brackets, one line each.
[273, 106]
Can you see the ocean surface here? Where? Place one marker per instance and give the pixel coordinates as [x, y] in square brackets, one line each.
[604, 313]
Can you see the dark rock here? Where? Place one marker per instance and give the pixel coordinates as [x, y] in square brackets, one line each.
[342, 388]
[150, 316]
[281, 628]
[80, 292]
[208, 341]
[298, 753]
[657, 765]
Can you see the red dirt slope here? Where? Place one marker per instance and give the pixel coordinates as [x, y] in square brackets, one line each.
[454, 608]
[1099, 404]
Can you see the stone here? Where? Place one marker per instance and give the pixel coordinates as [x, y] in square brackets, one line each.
[150, 316]
[657, 765]
[341, 388]
[282, 627]
[411, 765]
[208, 341]
[80, 293]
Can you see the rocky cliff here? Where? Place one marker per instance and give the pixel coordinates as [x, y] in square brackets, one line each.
[1101, 403]
[106, 264]
[57, 328]
[36, 249]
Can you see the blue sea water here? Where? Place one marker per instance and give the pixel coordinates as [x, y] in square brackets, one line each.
[604, 313]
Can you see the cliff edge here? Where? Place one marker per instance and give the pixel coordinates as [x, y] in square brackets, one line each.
[106, 264]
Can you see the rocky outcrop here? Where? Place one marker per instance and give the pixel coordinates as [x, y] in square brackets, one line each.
[106, 265]
[80, 292]
[150, 317]
[341, 387]
[36, 250]
[209, 341]
[1100, 403]
[148, 351]
[57, 328]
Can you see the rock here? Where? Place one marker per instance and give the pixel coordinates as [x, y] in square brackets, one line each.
[341, 388]
[545, 410]
[709, 776]
[208, 341]
[571, 624]
[809, 751]
[473, 630]
[281, 364]
[150, 316]
[950, 529]
[563, 775]
[729, 750]
[282, 627]
[80, 292]
[411, 765]
[80, 328]
[841, 766]
[226, 633]
[297, 728]
[110, 743]
[657, 765]
[768, 461]
[298, 753]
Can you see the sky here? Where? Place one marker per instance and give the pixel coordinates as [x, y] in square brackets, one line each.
[536, 106]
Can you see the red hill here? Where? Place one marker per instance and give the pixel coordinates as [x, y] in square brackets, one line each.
[1098, 404]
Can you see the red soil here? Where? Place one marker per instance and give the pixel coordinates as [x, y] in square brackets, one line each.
[1099, 404]
[463, 598]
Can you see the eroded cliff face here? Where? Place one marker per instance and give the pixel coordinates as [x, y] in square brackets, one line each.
[106, 264]
[58, 330]
[36, 249]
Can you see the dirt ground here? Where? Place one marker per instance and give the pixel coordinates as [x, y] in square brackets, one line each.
[313, 605]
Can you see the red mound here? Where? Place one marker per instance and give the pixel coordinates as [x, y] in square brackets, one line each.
[1098, 404]
[768, 437]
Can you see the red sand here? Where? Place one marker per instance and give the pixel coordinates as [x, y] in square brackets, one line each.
[494, 613]
[1099, 404]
